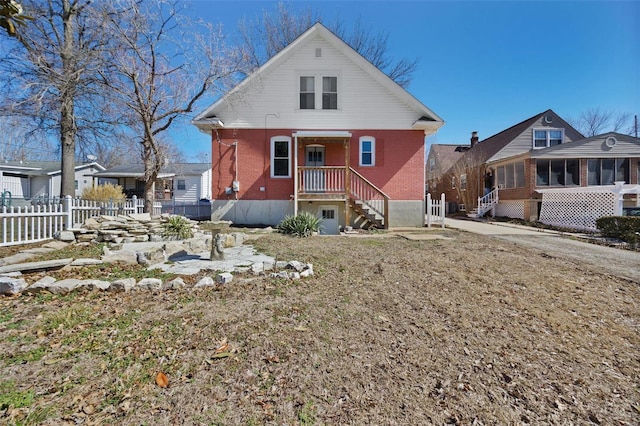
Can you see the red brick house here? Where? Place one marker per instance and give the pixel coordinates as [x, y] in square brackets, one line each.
[544, 169]
[318, 128]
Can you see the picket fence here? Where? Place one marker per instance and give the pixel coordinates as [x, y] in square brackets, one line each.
[40, 222]
[435, 211]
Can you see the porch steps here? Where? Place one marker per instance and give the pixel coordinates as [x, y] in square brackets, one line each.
[366, 219]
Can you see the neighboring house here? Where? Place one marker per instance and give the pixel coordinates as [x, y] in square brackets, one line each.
[42, 179]
[516, 171]
[182, 182]
[441, 158]
[318, 128]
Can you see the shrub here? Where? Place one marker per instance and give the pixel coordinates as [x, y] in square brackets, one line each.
[625, 228]
[302, 225]
[106, 192]
[178, 228]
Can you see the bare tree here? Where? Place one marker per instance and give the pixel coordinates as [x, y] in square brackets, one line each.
[163, 64]
[595, 121]
[11, 16]
[19, 143]
[264, 36]
[49, 74]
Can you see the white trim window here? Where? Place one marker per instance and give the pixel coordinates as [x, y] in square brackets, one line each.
[463, 182]
[329, 92]
[307, 92]
[544, 138]
[511, 175]
[281, 157]
[182, 185]
[367, 153]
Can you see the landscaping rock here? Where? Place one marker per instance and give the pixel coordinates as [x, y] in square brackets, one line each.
[91, 285]
[149, 284]
[85, 262]
[174, 284]
[65, 236]
[205, 282]
[224, 278]
[64, 286]
[124, 284]
[10, 286]
[35, 266]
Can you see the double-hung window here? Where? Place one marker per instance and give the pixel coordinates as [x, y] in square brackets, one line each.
[318, 91]
[543, 138]
[367, 151]
[182, 184]
[281, 157]
[329, 92]
[307, 92]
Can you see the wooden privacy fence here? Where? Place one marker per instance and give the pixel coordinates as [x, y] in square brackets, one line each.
[435, 211]
[30, 224]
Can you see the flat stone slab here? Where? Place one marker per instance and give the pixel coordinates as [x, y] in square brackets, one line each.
[35, 266]
[423, 236]
[243, 257]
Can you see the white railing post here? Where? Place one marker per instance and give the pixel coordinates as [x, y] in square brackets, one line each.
[442, 210]
[618, 198]
[428, 210]
[134, 203]
[68, 209]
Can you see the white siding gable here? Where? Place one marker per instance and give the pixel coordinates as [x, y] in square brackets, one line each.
[367, 99]
[524, 142]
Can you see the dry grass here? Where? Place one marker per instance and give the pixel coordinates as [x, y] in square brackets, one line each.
[388, 331]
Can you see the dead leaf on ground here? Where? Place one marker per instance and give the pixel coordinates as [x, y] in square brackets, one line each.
[302, 328]
[162, 380]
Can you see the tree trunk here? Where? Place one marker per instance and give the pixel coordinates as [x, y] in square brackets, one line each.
[67, 121]
[151, 174]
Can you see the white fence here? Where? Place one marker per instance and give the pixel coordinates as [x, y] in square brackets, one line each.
[435, 211]
[29, 224]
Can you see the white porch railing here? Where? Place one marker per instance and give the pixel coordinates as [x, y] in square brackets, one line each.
[488, 203]
[370, 195]
[40, 222]
[326, 179]
[435, 211]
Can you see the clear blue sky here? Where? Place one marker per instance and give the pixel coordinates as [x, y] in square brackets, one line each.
[486, 66]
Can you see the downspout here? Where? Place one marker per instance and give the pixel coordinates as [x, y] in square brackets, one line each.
[295, 175]
[235, 181]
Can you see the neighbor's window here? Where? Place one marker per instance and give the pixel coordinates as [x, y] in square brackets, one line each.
[329, 92]
[367, 151]
[307, 92]
[511, 175]
[547, 137]
[605, 171]
[281, 156]
[182, 184]
[463, 182]
[557, 172]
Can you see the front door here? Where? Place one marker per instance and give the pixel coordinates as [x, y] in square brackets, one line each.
[314, 180]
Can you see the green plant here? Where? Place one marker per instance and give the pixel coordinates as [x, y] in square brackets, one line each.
[106, 192]
[625, 228]
[10, 397]
[302, 225]
[177, 227]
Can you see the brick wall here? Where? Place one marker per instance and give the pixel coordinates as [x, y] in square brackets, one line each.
[399, 169]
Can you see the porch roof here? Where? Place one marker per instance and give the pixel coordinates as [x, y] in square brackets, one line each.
[322, 134]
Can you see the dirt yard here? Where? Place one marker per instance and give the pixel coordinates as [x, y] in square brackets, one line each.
[470, 330]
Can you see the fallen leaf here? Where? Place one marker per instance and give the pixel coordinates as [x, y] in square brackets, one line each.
[221, 355]
[162, 380]
[383, 318]
[222, 348]
[301, 328]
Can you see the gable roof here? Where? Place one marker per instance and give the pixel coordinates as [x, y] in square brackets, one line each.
[169, 170]
[425, 118]
[445, 156]
[487, 148]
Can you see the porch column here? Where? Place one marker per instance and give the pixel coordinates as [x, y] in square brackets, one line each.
[295, 174]
[347, 183]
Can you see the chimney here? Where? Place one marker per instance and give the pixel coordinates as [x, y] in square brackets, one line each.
[474, 139]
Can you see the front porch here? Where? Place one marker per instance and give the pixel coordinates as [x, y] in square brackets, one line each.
[315, 181]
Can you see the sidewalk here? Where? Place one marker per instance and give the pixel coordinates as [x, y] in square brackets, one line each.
[496, 228]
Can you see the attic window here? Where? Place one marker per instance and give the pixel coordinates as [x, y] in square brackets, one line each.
[543, 138]
[318, 52]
